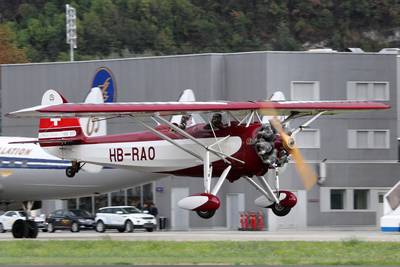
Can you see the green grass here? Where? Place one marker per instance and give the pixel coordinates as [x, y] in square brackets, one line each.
[164, 252]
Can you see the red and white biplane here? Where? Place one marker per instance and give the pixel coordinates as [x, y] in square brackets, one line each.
[236, 140]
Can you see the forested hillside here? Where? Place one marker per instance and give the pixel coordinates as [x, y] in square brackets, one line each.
[34, 30]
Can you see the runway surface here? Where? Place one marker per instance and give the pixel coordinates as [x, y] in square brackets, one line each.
[225, 235]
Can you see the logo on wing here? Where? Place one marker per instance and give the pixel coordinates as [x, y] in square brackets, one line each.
[104, 79]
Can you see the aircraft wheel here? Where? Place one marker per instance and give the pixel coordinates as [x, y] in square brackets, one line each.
[32, 229]
[70, 172]
[206, 214]
[2, 228]
[100, 227]
[280, 210]
[19, 229]
[129, 226]
[75, 227]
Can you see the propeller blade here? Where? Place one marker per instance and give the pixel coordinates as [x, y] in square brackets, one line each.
[307, 174]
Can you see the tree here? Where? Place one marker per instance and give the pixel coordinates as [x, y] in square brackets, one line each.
[9, 53]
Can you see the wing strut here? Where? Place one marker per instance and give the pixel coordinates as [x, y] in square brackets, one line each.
[166, 138]
[219, 154]
[307, 123]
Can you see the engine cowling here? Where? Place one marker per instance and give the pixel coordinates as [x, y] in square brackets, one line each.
[269, 147]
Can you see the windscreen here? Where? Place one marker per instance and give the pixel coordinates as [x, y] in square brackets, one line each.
[131, 210]
[81, 213]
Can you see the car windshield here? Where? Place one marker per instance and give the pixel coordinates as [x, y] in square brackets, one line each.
[131, 210]
[81, 213]
[22, 213]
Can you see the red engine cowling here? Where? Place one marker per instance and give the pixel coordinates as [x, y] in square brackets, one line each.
[289, 200]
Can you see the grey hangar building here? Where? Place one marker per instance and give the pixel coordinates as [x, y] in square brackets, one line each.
[355, 155]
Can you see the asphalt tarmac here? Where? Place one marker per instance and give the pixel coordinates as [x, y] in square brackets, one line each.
[373, 235]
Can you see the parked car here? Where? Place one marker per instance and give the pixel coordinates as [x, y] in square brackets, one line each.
[73, 220]
[8, 218]
[124, 218]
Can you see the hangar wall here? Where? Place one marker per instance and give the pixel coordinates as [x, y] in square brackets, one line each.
[241, 76]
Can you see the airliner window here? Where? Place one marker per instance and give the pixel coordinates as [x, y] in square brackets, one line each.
[131, 210]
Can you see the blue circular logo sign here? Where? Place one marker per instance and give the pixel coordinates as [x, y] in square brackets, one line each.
[105, 81]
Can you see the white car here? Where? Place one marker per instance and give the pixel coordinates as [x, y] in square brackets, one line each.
[124, 218]
[8, 218]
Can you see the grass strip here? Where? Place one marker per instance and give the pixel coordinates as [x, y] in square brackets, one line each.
[103, 252]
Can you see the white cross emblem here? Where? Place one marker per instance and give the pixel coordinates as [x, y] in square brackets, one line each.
[55, 121]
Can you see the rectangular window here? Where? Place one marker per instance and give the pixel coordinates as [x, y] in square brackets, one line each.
[308, 138]
[368, 139]
[118, 198]
[148, 193]
[304, 90]
[360, 199]
[338, 199]
[134, 196]
[101, 201]
[71, 203]
[85, 203]
[368, 90]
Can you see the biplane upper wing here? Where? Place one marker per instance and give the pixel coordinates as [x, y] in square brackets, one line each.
[282, 108]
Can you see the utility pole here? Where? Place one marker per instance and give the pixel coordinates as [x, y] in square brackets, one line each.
[70, 21]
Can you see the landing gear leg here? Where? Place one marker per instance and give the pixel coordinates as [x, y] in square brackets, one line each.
[25, 228]
[72, 170]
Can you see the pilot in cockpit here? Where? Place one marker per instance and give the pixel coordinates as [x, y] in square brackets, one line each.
[184, 121]
[216, 122]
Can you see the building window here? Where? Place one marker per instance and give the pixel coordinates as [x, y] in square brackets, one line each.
[71, 203]
[360, 199]
[304, 90]
[368, 91]
[139, 195]
[101, 201]
[85, 203]
[371, 139]
[133, 196]
[308, 138]
[118, 198]
[148, 193]
[338, 198]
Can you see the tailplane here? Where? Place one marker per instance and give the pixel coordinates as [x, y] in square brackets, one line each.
[55, 131]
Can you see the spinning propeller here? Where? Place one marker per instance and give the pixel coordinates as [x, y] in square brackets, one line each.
[308, 176]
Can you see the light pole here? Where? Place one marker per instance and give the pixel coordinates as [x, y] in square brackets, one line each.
[70, 21]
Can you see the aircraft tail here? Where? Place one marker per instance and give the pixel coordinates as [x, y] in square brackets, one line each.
[92, 127]
[59, 131]
[55, 131]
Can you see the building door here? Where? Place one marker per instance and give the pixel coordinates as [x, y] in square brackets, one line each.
[379, 207]
[234, 205]
[179, 217]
